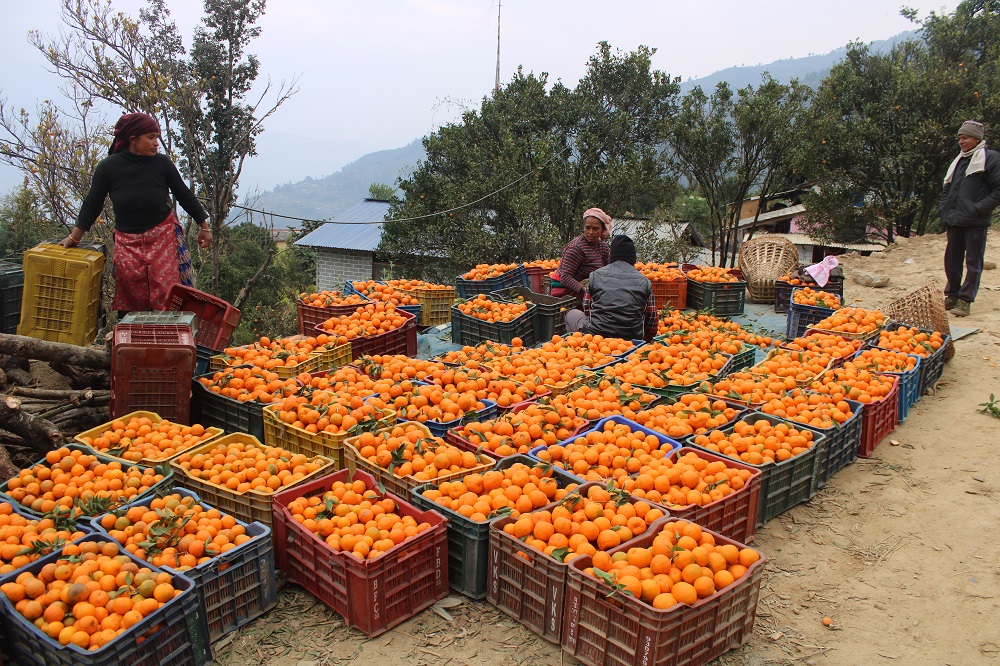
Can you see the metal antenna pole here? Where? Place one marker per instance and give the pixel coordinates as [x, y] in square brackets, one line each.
[496, 85]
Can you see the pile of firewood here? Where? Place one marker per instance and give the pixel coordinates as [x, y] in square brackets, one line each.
[35, 420]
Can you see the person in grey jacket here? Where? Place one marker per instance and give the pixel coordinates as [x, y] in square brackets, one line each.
[971, 193]
[618, 302]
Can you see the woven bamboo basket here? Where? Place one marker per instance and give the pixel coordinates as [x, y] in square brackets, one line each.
[922, 308]
[763, 260]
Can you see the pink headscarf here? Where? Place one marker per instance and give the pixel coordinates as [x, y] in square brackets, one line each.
[129, 125]
[602, 216]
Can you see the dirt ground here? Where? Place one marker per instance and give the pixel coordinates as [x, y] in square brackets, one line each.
[900, 550]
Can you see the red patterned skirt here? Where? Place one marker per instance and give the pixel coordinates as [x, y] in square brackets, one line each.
[146, 267]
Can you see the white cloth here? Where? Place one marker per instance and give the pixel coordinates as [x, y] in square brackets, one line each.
[976, 165]
[821, 271]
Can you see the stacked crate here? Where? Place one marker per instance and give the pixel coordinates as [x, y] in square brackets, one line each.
[11, 286]
[61, 300]
[152, 366]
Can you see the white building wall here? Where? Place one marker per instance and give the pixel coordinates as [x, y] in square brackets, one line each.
[334, 267]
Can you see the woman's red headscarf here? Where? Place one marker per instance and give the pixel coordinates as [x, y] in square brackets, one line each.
[129, 125]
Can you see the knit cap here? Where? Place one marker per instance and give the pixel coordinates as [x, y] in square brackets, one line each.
[973, 129]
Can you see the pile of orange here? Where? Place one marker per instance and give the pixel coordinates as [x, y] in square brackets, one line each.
[692, 414]
[910, 341]
[324, 299]
[561, 358]
[353, 382]
[548, 264]
[413, 285]
[519, 432]
[797, 365]
[687, 480]
[471, 357]
[432, 403]
[481, 307]
[659, 364]
[816, 298]
[369, 320]
[828, 344]
[399, 367]
[609, 453]
[244, 467]
[602, 398]
[757, 441]
[794, 281]
[72, 479]
[683, 564]
[270, 354]
[883, 360]
[853, 320]
[384, 292]
[251, 384]
[487, 385]
[752, 389]
[510, 492]
[714, 341]
[406, 450]
[355, 520]
[140, 438]
[483, 271]
[813, 409]
[682, 323]
[90, 595]
[323, 411]
[584, 525]
[24, 540]
[852, 383]
[660, 272]
[712, 274]
[175, 532]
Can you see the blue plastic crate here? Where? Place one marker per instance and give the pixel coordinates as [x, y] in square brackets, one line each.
[801, 317]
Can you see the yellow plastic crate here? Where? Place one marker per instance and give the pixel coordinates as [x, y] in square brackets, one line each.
[253, 505]
[435, 304]
[299, 440]
[62, 294]
[332, 358]
[94, 433]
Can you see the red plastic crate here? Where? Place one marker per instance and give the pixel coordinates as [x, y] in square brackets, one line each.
[151, 370]
[878, 419]
[733, 516]
[217, 319]
[372, 595]
[619, 630]
[402, 340]
[311, 316]
[672, 294]
[538, 279]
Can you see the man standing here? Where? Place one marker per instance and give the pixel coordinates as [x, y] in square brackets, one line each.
[619, 299]
[971, 192]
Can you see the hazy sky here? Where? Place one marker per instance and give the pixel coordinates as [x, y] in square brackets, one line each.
[378, 74]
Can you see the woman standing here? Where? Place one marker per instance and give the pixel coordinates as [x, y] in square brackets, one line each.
[583, 255]
[139, 181]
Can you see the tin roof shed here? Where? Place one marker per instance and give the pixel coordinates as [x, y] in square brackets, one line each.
[357, 228]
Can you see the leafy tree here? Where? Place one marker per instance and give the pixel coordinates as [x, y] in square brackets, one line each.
[381, 192]
[21, 225]
[731, 146]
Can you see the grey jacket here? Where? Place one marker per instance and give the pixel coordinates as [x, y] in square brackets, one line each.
[619, 295]
[968, 201]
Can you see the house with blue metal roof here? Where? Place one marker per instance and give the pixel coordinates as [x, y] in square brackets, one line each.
[345, 248]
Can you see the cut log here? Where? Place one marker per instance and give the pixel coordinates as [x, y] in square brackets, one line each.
[54, 352]
[7, 362]
[40, 434]
[72, 395]
[8, 470]
[20, 377]
[80, 378]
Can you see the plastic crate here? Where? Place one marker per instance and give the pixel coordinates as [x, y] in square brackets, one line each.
[311, 316]
[734, 516]
[835, 363]
[783, 291]
[173, 635]
[840, 447]
[466, 330]
[298, 440]
[155, 318]
[251, 506]
[635, 427]
[802, 317]
[203, 357]
[673, 391]
[235, 587]
[440, 428]
[516, 277]
[402, 340]
[932, 367]
[800, 383]
[453, 436]
[549, 316]
[743, 359]
[217, 319]
[151, 369]
[878, 419]
[84, 527]
[93, 433]
[468, 541]
[217, 410]
[331, 358]
[783, 484]
[670, 294]
[722, 298]
[538, 279]
[403, 486]
[61, 298]
[371, 595]
[602, 629]
[435, 305]
[11, 288]
[909, 388]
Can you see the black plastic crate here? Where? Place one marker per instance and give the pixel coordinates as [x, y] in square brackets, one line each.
[722, 298]
[11, 289]
[803, 317]
[213, 409]
[783, 291]
[842, 442]
[550, 311]
[466, 330]
[743, 359]
[516, 277]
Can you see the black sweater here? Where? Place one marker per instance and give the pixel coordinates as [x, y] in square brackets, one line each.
[139, 188]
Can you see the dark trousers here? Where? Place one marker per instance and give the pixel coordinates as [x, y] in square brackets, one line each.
[966, 245]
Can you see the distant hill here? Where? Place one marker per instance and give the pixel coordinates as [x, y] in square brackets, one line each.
[321, 198]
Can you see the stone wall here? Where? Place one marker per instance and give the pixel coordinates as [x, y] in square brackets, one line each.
[334, 267]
